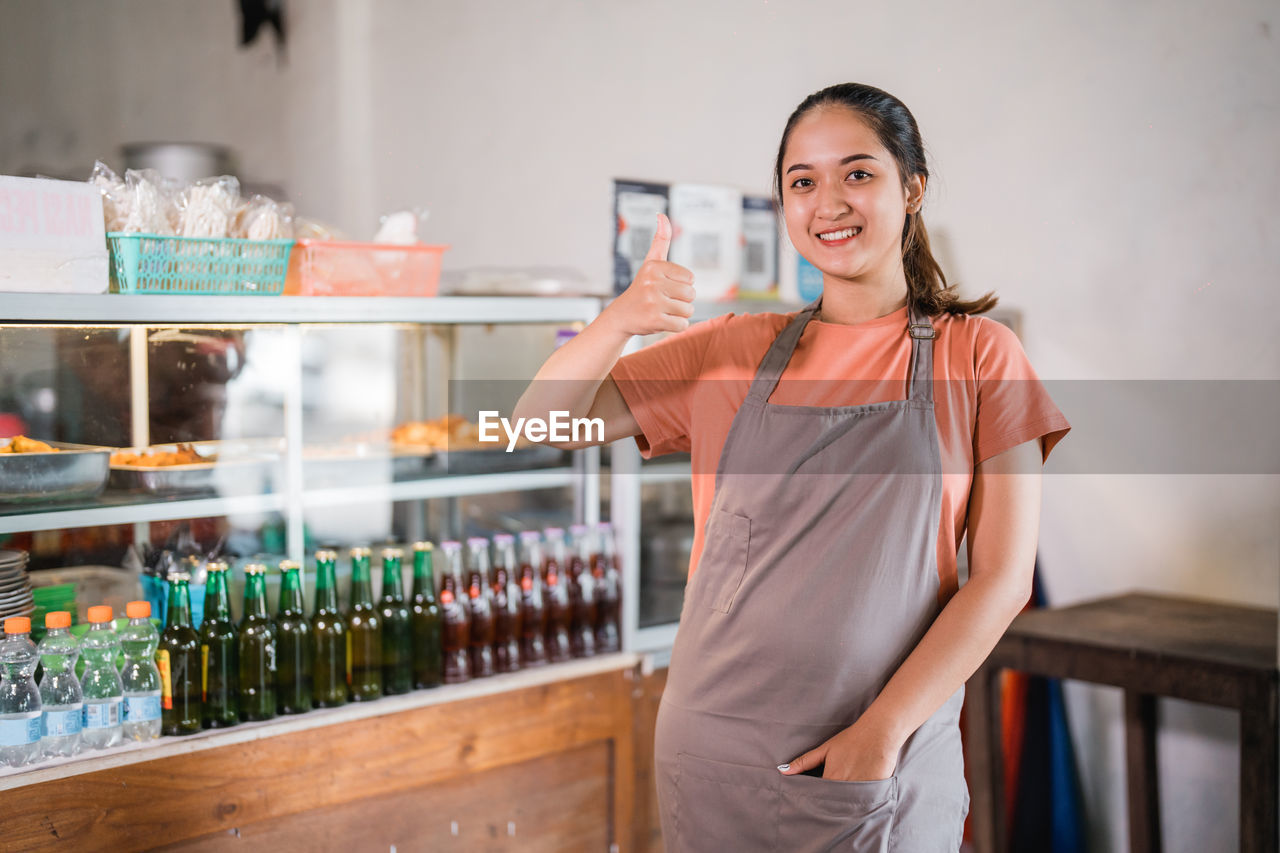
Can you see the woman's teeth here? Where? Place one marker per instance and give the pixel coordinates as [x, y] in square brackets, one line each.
[840, 235]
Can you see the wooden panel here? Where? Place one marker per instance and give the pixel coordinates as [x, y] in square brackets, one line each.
[189, 796]
[555, 803]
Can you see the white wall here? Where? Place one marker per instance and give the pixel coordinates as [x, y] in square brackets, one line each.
[1107, 168]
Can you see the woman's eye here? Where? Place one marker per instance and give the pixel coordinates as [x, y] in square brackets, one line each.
[859, 174]
[800, 183]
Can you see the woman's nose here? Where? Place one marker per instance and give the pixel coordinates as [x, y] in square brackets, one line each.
[831, 204]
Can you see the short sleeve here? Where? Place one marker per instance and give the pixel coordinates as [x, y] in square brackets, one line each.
[658, 383]
[1013, 405]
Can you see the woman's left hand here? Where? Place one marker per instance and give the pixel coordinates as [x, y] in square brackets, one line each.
[857, 754]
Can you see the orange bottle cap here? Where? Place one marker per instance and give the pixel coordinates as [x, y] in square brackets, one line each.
[17, 625]
[100, 613]
[138, 610]
[57, 619]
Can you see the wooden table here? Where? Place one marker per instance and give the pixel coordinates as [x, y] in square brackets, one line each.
[1150, 646]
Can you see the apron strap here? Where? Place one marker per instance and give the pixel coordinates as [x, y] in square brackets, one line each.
[919, 384]
[779, 354]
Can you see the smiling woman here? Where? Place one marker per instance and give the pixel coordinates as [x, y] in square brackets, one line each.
[840, 455]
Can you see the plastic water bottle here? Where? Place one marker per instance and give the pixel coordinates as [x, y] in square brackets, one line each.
[140, 677]
[103, 692]
[19, 696]
[60, 697]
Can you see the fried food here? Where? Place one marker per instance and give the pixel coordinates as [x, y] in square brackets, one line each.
[22, 444]
[451, 432]
[185, 454]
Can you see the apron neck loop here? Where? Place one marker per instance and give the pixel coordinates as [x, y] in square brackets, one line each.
[776, 359]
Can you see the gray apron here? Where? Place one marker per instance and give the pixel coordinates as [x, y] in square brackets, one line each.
[817, 578]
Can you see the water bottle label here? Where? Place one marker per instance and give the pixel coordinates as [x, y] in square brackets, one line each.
[19, 732]
[102, 715]
[141, 709]
[59, 723]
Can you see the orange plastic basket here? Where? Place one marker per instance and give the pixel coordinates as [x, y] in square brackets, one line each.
[338, 268]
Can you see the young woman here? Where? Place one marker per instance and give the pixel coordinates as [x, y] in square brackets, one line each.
[840, 454]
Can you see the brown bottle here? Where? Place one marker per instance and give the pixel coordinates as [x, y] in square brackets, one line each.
[533, 611]
[582, 601]
[456, 638]
[506, 605]
[608, 589]
[480, 604]
[559, 609]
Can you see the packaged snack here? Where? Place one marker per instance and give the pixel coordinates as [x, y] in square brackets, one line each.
[150, 202]
[260, 218]
[115, 201]
[208, 206]
[401, 228]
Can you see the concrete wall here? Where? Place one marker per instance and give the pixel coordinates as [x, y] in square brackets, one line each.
[1107, 168]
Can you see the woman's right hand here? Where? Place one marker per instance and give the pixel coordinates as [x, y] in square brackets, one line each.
[660, 298]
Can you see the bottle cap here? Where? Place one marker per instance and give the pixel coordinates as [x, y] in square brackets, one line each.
[553, 531]
[180, 577]
[57, 619]
[289, 565]
[578, 529]
[326, 555]
[604, 525]
[216, 566]
[530, 536]
[138, 610]
[392, 554]
[255, 569]
[477, 542]
[503, 538]
[100, 613]
[450, 545]
[360, 551]
[17, 625]
[423, 546]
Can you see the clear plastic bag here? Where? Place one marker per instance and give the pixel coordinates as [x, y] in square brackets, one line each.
[260, 218]
[150, 203]
[208, 206]
[401, 228]
[115, 199]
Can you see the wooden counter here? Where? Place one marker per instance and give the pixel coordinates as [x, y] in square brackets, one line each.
[538, 760]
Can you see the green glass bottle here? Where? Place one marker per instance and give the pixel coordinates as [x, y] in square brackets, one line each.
[397, 637]
[425, 621]
[257, 649]
[219, 652]
[328, 637]
[293, 644]
[178, 658]
[364, 633]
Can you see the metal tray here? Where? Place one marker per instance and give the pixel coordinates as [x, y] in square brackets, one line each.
[366, 464]
[493, 461]
[77, 471]
[239, 468]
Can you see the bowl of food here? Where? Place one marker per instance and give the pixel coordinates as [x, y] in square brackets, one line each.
[33, 471]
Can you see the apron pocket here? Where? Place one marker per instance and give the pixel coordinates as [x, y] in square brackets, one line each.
[724, 557]
[722, 806]
[829, 814]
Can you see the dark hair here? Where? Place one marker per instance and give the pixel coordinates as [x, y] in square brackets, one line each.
[896, 128]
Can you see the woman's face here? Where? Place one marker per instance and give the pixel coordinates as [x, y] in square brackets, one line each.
[843, 199]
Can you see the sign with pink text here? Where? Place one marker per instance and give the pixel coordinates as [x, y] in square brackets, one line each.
[51, 237]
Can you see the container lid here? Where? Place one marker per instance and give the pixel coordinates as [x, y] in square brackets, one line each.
[325, 555]
[138, 610]
[392, 554]
[100, 613]
[530, 536]
[360, 551]
[255, 569]
[289, 565]
[503, 538]
[477, 542]
[551, 532]
[17, 625]
[57, 619]
[423, 546]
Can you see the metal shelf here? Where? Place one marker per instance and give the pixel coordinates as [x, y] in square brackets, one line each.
[196, 310]
[127, 513]
[442, 487]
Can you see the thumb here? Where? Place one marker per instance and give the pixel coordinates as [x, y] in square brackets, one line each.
[808, 761]
[661, 240]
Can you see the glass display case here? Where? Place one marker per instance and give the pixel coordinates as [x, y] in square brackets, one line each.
[291, 421]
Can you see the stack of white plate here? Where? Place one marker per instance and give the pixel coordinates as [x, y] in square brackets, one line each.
[15, 585]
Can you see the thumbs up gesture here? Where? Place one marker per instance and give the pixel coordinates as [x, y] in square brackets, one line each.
[660, 298]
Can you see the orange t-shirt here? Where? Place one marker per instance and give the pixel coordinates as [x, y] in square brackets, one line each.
[685, 390]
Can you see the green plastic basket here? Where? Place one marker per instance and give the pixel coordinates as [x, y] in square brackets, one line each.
[151, 263]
